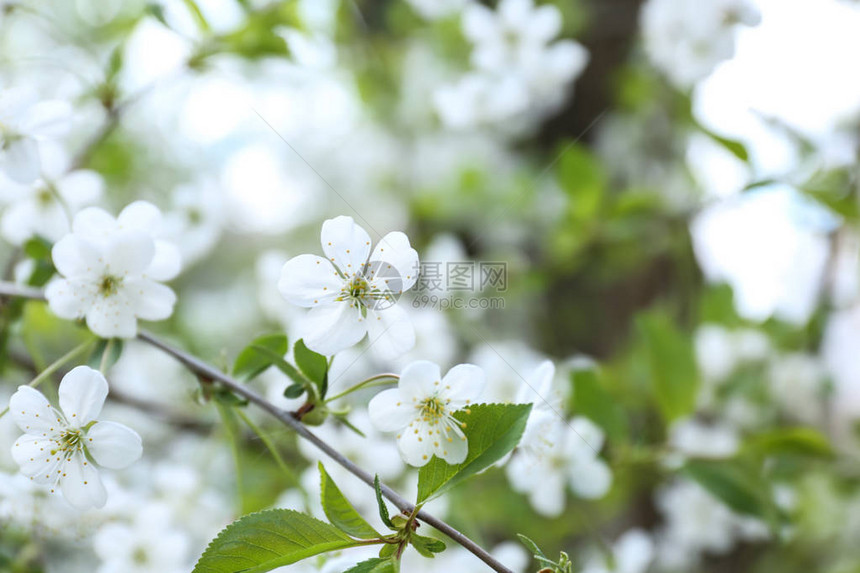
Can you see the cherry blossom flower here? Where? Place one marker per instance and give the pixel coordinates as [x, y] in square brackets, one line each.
[421, 411]
[353, 292]
[44, 207]
[111, 270]
[560, 454]
[24, 121]
[59, 446]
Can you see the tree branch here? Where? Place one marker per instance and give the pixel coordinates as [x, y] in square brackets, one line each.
[209, 374]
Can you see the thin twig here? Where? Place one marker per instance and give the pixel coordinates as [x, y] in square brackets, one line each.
[206, 372]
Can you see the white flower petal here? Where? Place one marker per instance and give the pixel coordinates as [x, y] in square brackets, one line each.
[345, 244]
[47, 119]
[420, 380]
[32, 412]
[464, 383]
[309, 280]
[113, 445]
[75, 257]
[548, 496]
[68, 299]
[395, 250]
[590, 478]
[19, 160]
[149, 300]
[82, 487]
[585, 436]
[140, 215]
[112, 318]
[82, 394]
[167, 262]
[389, 412]
[451, 445]
[93, 223]
[330, 329]
[129, 252]
[81, 187]
[33, 455]
[479, 23]
[416, 444]
[538, 386]
[544, 23]
[390, 332]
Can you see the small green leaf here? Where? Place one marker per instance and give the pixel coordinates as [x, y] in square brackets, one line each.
[736, 485]
[312, 365]
[672, 364]
[257, 356]
[340, 512]
[592, 400]
[294, 391]
[383, 509]
[97, 356]
[387, 550]
[427, 546]
[374, 565]
[492, 430]
[269, 539]
[800, 441]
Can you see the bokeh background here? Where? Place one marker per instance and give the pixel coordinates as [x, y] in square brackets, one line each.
[672, 186]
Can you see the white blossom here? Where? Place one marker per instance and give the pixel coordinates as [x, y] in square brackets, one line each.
[353, 291]
[46, 206]
[631, 553]
[560, 454]
[421, 411]
[24, 122]
[110, 271]
[59, 446]
[519, 72]
[147, 545]
[686, 39]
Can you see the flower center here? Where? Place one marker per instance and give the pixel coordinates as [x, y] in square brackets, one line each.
[140, 556]
[109, 285]
[432, 410]
[44, 196]
[71, 441]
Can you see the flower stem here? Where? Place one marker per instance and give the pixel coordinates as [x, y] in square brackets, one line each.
[105, 356]
[56, 365]
[369, 383]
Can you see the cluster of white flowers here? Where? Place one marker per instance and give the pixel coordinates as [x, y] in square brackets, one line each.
[111, 270]
[687, 39]
[555, 453]
[520, 74]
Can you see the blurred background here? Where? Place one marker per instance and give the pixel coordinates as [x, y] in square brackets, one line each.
[666, 190]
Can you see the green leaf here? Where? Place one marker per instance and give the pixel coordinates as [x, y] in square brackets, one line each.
[312, 365]
[736, 485]
[97, 356]
[734, 147]
[294, 391]
[257, 356]
[800, 441]
[340, 512]
[374, 565]
[269, 539]
[383, 509]
[592, 400]
[492, 430]
[672, 365]
[427, 546]
[583, 177]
